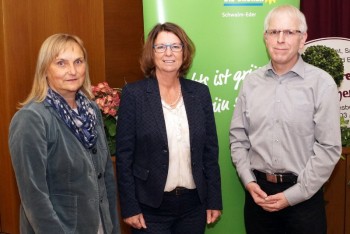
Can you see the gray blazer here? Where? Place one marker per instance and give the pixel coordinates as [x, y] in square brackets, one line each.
[64, 188]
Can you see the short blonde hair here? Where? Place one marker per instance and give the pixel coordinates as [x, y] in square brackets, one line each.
[49, 50]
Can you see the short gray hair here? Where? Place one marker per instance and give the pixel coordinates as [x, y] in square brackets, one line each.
[289, 10]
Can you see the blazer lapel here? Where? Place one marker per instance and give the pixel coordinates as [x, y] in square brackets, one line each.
[153, 97]
[190, 106]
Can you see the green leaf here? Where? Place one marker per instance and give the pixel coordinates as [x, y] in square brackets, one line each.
[327, 59]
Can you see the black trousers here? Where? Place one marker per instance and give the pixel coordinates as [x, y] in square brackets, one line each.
[178, 214]
[308, 217]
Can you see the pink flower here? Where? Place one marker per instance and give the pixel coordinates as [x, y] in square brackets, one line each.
[107, 98]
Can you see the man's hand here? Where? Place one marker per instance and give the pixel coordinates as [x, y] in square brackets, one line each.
[270, 203]
[212, 216]
[257, 194]
[279, 202]
[136, 221]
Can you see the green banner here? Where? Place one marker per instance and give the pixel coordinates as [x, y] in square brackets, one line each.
[228, 35]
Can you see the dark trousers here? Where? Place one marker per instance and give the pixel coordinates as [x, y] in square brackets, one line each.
[308, 217]
[178, 214]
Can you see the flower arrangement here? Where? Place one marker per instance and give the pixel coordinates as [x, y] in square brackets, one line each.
[108, 100]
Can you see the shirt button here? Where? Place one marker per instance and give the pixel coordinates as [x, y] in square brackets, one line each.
[94, 150]
[99, 175]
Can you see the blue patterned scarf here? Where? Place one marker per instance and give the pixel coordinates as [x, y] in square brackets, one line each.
[81, 124]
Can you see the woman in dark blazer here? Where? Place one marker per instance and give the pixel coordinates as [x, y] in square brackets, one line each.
[167, 149]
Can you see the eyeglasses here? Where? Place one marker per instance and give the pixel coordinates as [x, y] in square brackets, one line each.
[161, 48]
[286, 32]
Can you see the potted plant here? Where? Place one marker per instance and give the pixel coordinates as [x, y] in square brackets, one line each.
[108, 99]
[328, 59]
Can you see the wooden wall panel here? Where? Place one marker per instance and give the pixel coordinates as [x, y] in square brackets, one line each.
[9, 201]
[112, 31]
[25, 24]
[347, 201]
[123, 40]
[123, 23]
[334, 195]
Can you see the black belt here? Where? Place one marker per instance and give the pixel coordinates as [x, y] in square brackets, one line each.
[180, 191]
[277, 177]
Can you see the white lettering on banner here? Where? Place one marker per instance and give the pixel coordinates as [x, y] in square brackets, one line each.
[237, 14]
[240, 75]
[222, 79]
[250, 14]
[202, 79]
[220, 105]
[234, 105]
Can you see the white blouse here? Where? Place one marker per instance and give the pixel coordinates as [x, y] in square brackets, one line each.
[180, 170]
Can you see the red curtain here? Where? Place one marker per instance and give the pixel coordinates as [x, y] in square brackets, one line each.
[327, 18]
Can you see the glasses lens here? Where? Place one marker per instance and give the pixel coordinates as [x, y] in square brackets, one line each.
[159, 48]
[176, 47]
[286, 33]
[162, 48]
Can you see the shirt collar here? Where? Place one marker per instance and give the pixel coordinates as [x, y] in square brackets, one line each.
[298, 69]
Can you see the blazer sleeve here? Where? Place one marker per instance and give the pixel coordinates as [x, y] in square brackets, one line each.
[110, 182]
[126, 143]
[211, 154]
[28, 148]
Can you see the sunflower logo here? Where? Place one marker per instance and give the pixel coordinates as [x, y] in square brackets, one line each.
[270, 1]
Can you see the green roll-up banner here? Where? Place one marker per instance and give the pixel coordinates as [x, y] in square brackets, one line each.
[228, 35]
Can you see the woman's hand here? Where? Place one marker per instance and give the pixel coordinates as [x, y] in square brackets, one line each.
[136, 221]
[212, 216]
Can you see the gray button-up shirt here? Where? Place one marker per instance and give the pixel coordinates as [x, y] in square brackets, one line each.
[287, 123]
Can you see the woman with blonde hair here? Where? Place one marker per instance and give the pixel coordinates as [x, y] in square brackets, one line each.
[58, 148]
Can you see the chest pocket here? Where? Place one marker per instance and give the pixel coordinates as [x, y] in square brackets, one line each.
[301, 111]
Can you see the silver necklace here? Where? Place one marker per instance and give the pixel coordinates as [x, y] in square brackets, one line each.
[177, 99]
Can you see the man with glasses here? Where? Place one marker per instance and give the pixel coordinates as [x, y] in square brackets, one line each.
[285, 133]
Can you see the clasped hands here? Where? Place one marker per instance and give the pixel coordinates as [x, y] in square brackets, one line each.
[270, 203]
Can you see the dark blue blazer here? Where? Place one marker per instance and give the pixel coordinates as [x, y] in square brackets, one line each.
[142, 145]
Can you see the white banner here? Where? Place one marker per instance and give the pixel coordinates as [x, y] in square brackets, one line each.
[342, 46]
